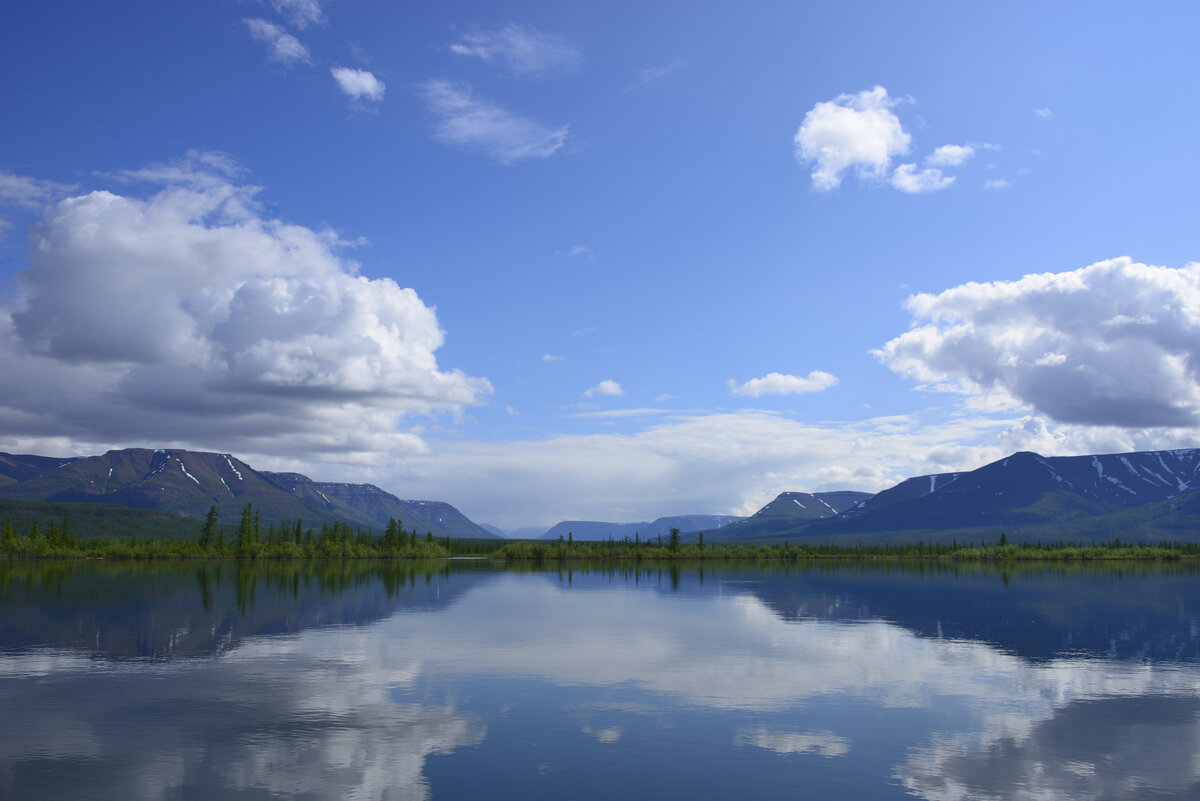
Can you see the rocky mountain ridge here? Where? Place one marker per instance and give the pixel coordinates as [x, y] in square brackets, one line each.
[187, 483]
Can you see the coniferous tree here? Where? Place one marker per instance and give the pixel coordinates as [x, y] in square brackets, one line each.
[210, 528]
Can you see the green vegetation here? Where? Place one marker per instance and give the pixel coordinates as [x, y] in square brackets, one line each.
[1001, 550]
[43, 536]
[99, 521]
[57, 538]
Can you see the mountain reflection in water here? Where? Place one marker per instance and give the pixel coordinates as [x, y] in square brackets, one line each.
[456, 680]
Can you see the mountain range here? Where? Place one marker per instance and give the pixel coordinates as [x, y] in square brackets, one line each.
[187, 483]
[1141, 495]
[1145, 495]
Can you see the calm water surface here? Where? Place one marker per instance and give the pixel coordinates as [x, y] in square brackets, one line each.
[462, 680]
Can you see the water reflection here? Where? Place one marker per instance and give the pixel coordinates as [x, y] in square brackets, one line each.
[406, 682]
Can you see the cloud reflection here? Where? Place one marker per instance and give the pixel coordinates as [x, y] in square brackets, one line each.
[345, 712]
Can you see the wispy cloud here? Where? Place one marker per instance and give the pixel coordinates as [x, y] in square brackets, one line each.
[605, 387]
[522, 50]
[581, 252]
[1044, 113]
[996, 183]
[611, 414]
[781, 384]
[466, 121]
[654, 75]
[359, 84]
[550, 357]
[281, 45]
[301, 13]
[32, 193]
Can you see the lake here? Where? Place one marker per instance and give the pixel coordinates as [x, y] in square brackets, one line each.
[466, 680]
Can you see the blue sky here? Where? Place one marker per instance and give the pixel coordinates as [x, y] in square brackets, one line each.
[550, 261]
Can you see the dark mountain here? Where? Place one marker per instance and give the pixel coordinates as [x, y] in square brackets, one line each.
[1141, 495]
[594, 530]
[446, 518]
[15, 468]
[368, 502]
[184, 483]
[187, 483]
[1026, 489]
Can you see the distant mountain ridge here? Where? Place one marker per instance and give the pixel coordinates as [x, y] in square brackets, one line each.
[187, 483]
[596, 530]
[1101, 493]
[792, 509]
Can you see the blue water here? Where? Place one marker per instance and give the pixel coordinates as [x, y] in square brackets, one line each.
[458, 680]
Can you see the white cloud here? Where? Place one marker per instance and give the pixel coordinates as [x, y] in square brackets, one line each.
[581, 252]
[1113, 344]
[189, 317]
[857, 132]
[359, 84]
[520, 49]
[825, 743]
[1044, 113]
[907, 179]
[701, 463]
[465, 121]
[950, 156]
[996, 183]
[605, 387]
[281, 45]
[780, 384]
[302, 13]
[550, 357]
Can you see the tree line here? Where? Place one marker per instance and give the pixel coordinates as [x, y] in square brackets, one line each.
[248, 540]
[337, 540]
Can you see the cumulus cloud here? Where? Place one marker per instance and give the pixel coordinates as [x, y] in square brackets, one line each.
[1113, 344]
[851, 132]
[522, 50]
[950, 156]
[781, 384]
[281, 45]
[358, 84]
[190, 317]
[605, 387]
[466, 121]
[907, 179]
